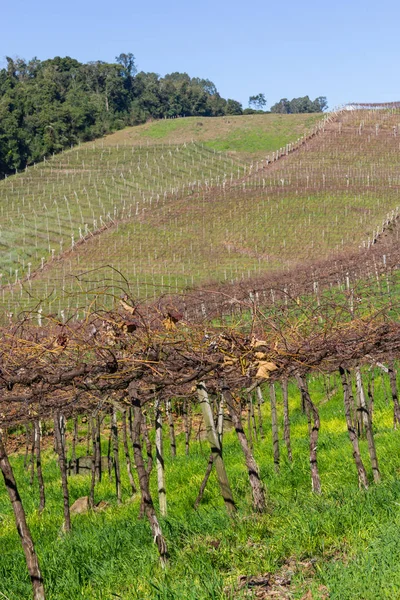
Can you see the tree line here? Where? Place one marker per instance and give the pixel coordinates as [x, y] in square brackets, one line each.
[300, 105]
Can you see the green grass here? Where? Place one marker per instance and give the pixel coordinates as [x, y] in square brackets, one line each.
[255, 139]
[161, 129]
[350, 537]
[249, 136]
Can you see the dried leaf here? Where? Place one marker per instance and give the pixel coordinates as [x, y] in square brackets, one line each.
[229, 361]
[264, 369]
[129, 309]
[169, 324]
[256, 343]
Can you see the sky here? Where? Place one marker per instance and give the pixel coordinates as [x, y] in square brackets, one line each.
[345, 51]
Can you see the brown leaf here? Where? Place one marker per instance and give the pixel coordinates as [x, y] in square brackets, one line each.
[127, 307]
[264, 369]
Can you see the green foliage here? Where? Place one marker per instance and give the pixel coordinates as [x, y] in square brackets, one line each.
[257, 102]
[233, 107]
[300, 105]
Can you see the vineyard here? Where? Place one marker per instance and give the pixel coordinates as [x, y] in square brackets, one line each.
[63, 204]
[216, 354]
[170, 218]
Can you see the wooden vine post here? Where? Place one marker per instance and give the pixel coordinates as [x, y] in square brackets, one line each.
[39, 472]
[168, 412]
[94, 460]
[216, 451]
[187, 422]
[162, 495]
[127, 454]
[260, 401]
[144, 475]
[347, 397]
[114, 435]
[274, 426]
[312, 411]
[252, 467]
[395, 396]
[362, 412]
[286, 419]
[367, 420]
[22, 527]
[60, 444]
[74, 462]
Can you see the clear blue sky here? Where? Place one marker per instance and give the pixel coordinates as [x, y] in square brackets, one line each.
[347, 51]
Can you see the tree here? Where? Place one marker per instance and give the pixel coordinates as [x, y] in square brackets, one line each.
[301, 105]
[320, 103]
[233, 107]
[127, 61]
[282, 107]
[257, 102]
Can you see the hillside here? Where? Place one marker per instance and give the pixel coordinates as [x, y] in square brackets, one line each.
[121, 181]
[248, 136]
[169, 216]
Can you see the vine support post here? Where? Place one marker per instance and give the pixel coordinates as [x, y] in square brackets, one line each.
[249, 424]
[252, 467]
[59, 432]
[393, 387]
[220, 420]
[212, 437]
[74, 462]
[94, 459]
[312, 412]
[286, 418]
[39, 472]
[172, 441]
[188, 425]
[253, 418]
[97, 423]
[114, 435]
[367, 420]
[162, 495]
[28, 547]
[144, 475]
[274, 426]
[260, 401]
[127, 454]
[347, 397]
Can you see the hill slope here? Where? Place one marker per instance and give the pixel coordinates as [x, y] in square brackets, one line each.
[185, 215]
[54, 206]
[250, 136]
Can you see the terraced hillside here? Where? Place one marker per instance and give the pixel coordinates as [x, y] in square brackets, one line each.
[54, 206]
[186, 215]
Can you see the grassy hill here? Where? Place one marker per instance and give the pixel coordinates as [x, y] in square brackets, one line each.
[171, 216]
[250, 136]
[54, 206]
